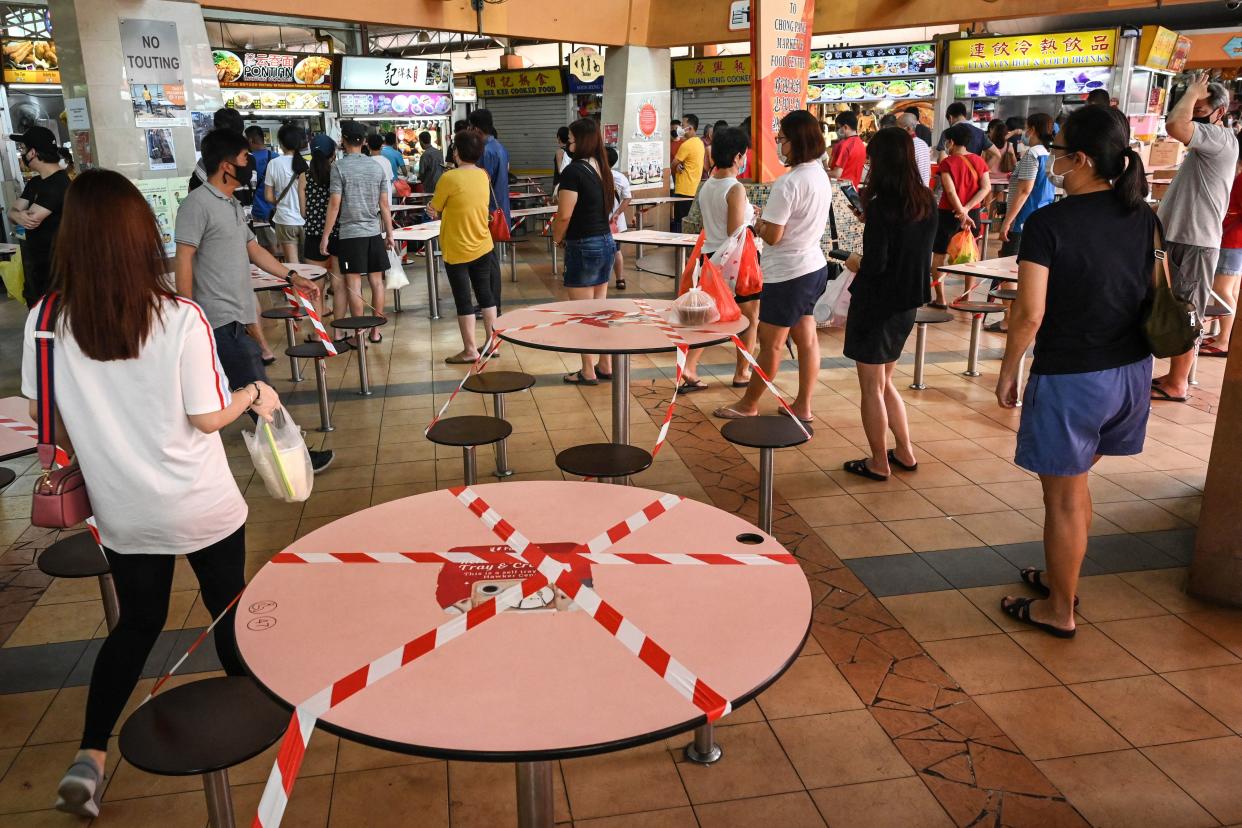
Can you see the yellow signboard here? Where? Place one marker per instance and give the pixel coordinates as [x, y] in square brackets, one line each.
[694, 73]
[1063, 50]
[515, 83]
[1156, 47]
[31, 61]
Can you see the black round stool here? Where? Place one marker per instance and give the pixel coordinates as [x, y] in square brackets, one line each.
[977, 310]
[1003, 294]
[358, 324]
[499, 383]
[319, 353]
[290, 315]
[204, 728]
[78, 556]
[614, 461]
[7, 476]
[922, 318]
[469, 432]
[766, 433]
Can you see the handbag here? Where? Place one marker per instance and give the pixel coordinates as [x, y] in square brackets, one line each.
[401, 188]
[834, 267]
[1171, 325]
[60, 499]
[497, 224]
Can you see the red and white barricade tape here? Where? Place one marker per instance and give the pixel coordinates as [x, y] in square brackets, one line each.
[297, 298]
[741, 348]
[477, 368]
[682, 352]
[600, 558]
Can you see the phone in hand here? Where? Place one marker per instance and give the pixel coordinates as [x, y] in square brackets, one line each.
[851, 195]
[839, 255]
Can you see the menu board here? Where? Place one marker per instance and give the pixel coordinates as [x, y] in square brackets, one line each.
[1036, 82]
[386, 103]
[898, 60]
[243, 99]
[31, 61]
[871, 90]
[1181, 53]
[396, 74]
[271, 70]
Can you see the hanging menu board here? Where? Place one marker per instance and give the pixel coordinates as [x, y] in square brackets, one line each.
[368, 74]
[870, 90]
[271, 70]
[896, 61]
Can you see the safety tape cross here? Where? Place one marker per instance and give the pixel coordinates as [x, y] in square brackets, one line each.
[296, 298]
[600, 558]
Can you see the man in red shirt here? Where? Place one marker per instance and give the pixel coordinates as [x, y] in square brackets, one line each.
[848, 151]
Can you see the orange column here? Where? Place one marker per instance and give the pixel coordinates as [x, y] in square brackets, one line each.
[780, 42]
[1216, 570]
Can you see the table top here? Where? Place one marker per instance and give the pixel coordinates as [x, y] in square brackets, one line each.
[610, 326]
[1004, 269]
[398, 208]
[522, 212]
[417, 232]
[656, 237]
[654, 200]
[266, 281]
[15, 443]
[528, 684]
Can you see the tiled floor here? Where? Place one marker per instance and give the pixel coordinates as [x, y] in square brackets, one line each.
[915, 701]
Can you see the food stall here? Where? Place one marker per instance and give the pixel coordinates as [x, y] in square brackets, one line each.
[713, 88]
[273, 88]
[1001, 77]
[879, 79]
[400, 95]
[528, 106]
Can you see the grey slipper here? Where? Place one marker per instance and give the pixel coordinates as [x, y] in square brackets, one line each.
[80, 790]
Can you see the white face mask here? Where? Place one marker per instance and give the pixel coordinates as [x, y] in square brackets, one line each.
[1057, 180]
[681, 131]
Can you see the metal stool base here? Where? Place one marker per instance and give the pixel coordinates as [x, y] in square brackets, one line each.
[703, 750]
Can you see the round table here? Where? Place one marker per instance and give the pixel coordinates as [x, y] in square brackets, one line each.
[530, 686]
[623, 332]
[262, 280]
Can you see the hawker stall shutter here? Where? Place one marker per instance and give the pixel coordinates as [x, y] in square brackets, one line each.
[527, 127]
[724, 103]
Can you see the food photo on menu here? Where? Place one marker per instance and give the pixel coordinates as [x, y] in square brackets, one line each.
[31, 56]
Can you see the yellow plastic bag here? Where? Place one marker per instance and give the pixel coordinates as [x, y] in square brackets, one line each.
[14, 276]
[962, 248]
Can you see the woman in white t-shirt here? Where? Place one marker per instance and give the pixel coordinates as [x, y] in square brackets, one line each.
[285, 188]
[795, 271]
[141, 394]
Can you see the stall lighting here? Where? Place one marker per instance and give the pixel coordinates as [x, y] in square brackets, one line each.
[34, 86]
[283, 112]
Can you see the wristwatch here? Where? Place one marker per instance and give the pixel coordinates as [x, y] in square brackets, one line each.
[291, 274]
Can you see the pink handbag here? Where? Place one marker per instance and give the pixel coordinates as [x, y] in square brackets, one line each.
[60, 499]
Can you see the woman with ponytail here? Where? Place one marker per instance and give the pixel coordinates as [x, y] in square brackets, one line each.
[1084, 274]
[1029, 188]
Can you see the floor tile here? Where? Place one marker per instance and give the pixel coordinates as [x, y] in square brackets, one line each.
[30, 782]
[55, 623]
[888, 802]
[963, 500]
[1179, 544]
[1139, 516]
[965, 568]
[937, 615]
[179, 810]
[1224, 626]
[995, 528]
[1208, 771]
[670, 818]
[1088, 656]
[373, 796]
[897, 575]
[757, 766]
[20, 713]
[861, 540]
[309, 806]
[1147, 710]
[1215, 689]
[1124, 788]
[1167, 587]
[811, 685]
[1109, 598]
[887, 506]
[813, 744]
[1165, 643]
[928, 534]
[1153, 484]
[990, 470]
[641, 779]
[795, 810]
[988, 664]
[831, 511]
[37, 668]
[1050, 722]
[1125, 553]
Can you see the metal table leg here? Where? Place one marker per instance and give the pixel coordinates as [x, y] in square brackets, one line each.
[219, 800]
[534, 794]
[291, 334]
[621, 398]
[321, 385]
[111, 606]
[639, 212]
[681, 264]
[920, 356]
[502, 448]
[396, 300]
[469, 465]
[433, 298]
[972, 362]
[364, 384]
[551, 244]
[703, 750]
[766, 456]
[512, 261]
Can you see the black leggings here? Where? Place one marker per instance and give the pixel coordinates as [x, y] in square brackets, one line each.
[143, 584]
[477, 274]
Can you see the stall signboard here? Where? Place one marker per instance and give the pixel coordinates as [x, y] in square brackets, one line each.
[1156, 47]
[896, 61]
[31, 61]
[150, 51]
[1048, 51]
[1037, 82]
[271, 70]
[1181, 53]
[277, 99]
[369, 74]
[704, 73]
[870, 90]
[780, 40]
[515, 83]
[739, 15]
[396, 105]
[586, 66]
[465, 94]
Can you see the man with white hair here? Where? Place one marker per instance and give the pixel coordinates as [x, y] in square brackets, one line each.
[1193, 209]
[909, 121]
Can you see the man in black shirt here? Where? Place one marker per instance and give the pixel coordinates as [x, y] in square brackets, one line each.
[39, 207]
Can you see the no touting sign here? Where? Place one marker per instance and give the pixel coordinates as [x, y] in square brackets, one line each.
[152, 52]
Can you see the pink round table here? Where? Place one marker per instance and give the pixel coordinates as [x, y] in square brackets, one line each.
[625, 331]
[529, 686]
[262, 280]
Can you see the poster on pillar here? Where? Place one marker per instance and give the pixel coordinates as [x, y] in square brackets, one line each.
[152, 60]
[780, 40]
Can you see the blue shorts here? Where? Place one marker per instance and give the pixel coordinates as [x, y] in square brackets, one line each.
[1067, 419]
[784, 303]
[1230, 262]
[588, 261]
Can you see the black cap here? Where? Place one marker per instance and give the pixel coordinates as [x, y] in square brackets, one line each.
[37, 138]
[353, 131]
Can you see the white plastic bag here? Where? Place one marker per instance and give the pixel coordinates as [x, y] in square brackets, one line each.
[394, 276]
[696, 307]
[833, 304]
[281, 458]
[729, 257]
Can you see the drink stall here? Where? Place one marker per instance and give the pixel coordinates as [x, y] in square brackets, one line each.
[400, 95]
[274, 88]
[878, 79]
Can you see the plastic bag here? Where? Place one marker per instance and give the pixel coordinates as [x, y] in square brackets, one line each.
[687, 275]
[833, 304]
[394, 276]
[962, 248]
[706, 277]
[696, 307]
[281, 458]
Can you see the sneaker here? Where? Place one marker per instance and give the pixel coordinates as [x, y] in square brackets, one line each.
[320, 460]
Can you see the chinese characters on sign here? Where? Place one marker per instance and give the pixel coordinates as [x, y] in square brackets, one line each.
[518, 82]
[897, 60]
[1156, 47]
[270, 70]
[395, 74]
[739, 15]
[1053, 51]
[781, 44]
[696, 73]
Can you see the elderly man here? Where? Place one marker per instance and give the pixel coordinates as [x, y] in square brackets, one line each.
[1193, 210]
[909, 121]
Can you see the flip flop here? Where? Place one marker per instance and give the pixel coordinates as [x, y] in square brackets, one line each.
[581, 380]
[892, 458]
[804, 420]
[269, 360]
[620, 284]
[995, 327]
[742, 384]
[859, 467]
[727, 413]
[458, 359]
[1033, 578]
[1212, 351]
[937, 305]
[689, 386]
[1020, 610]
[374, 341]
[602, 377]
[1159, 394]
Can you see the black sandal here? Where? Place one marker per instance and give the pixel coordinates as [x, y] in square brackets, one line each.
[689, 386]
[602, 376]
[1033, 578]
[578, 379]
[859, 467]
[1020, 610]
[620, 284]
[892, 458]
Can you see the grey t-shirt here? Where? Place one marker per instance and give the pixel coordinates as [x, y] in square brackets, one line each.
[1193, 210]
[215, 224]
[360, 182]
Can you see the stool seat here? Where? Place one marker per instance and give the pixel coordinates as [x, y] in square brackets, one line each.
[354, 323]
[77, 556]
[7, 476]
[308, 350]
[283, 312]
[1213, 311]
[978, 307]
[469, 430]
[603, 460]
[499, 382]
[767, 431]
[931, 316]
[202, 727]
[1007, 294]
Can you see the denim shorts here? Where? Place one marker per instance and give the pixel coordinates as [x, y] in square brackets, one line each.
[588, 261]
[1230, 261]
[1067, 419]
[785, 303]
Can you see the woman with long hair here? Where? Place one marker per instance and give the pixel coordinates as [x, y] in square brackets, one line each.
[140, 396]
[584, 204]
[1084, 276]
[795, 271]
[1029, 186]
[886, 294]
[318, 176]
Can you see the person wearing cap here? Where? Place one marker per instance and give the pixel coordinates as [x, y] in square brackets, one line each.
[38, 208]
[358, 207]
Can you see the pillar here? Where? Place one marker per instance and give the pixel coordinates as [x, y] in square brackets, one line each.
[637, 99]
[1216, 569]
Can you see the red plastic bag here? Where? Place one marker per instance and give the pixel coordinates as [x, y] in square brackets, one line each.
[962, 248]
[401, 188]
[749, 276]
[713, 284]
[687, 275]
[499, 227]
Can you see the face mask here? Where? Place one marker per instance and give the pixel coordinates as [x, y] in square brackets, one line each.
[681, 131]
[1203, 119]
[780, 154]
[1057, 180]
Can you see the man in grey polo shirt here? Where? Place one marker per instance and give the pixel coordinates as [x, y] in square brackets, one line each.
[215, 248]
